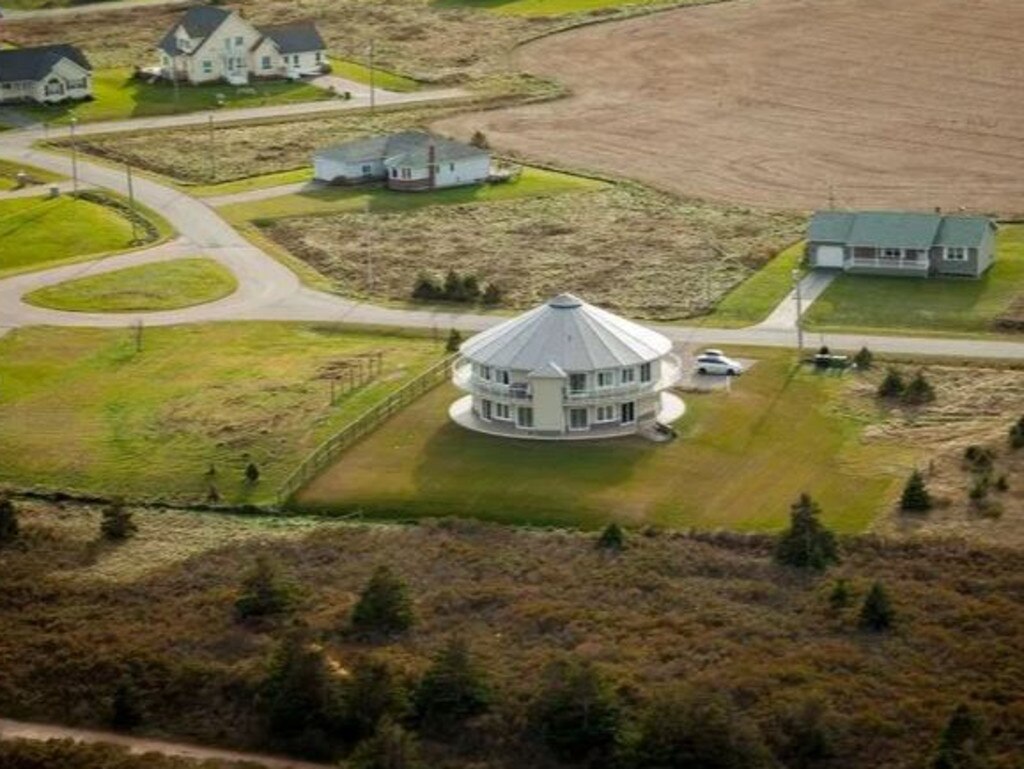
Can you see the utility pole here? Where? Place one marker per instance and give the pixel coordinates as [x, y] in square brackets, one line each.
[74, 156]
[138, 335]
[131, 204]
[799, 313]
[373, 90]
[213, 159]
[369, 247]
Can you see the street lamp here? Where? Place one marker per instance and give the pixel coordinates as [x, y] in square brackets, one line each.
[799, 312]
[74, 156]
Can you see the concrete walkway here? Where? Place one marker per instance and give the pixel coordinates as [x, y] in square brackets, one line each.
[812, 285]
[141, 745]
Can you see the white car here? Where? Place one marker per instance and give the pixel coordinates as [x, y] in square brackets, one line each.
[718, 364]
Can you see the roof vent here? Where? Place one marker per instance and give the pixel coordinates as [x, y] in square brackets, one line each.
[565, 302]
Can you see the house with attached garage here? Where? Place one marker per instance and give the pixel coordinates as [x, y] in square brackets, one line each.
[210, 44]
[45, 74]
[901, 243]
[410, 160]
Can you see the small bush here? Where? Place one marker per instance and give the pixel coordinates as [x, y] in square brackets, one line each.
[454, 341]
[1017, 434]
[1002, 484]
[919, 391]
[479, 140]
[806, 544]
[962, 744]
[8, 520]
[117, 522]
[876, 614]
[452, 690]
[892, 386]
[125, 713]
[915, 497]
[492, 295]
[373, 694]
[978, 458]
[805, 734]
[612, 538]
[252, 473]
[384, 607]
[391, 747]
[455, 288]
[264, 592]
[840, 596]
[427, 289]
[864, 359]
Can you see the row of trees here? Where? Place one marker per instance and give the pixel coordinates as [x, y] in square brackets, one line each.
[455, 287]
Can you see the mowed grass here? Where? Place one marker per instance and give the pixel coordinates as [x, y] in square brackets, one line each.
[260, 182]
[36, 232]
[360, 73]
[739, 462]
[532, 182]
[9, 174]
[753, 300]
[936, 304]
[119, 96]
[83, 410]
[545, 7]
[147, 287]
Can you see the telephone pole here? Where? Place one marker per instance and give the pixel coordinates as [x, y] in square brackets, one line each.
[213, 159]
[373, 90]
[131, 204]
[74, 156]
[799, 313]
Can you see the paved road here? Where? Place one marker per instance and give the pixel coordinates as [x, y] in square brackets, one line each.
[14, 14]
[140, 745]
[269, 291]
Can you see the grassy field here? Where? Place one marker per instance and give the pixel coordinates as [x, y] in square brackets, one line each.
[740, 459]
[9, 174]
[754, 299]
[532, 182]
[622, 246]
[928, 304]
[38, 232]
[360, 73]
[82, 409]
[261, 182]
[118, 96]
[541, 8]
[148, 287]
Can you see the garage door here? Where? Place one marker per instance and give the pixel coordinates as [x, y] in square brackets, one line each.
[829, 256]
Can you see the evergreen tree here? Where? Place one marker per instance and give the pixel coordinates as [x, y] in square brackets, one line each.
[876, 614]
[470, 288]
[452, 690]
[684, 729]
[1017, 434]
[805, 734]
[427, 288]
[264, 591]
[391, 747]
[8, 520]
[864, 359]
[807, 543]
[454, 341]
[839, 598]
[384, 607]
[962, 744]
[612, 538]
[575, 713]
[479, 140]
[919, 391]
[915, 497]
[492, 294]
[892, 386]
[252, 473]
[372, 694]
[125, 713]
[454, 290]
[117, 523]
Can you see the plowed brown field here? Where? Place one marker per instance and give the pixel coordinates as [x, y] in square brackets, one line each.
[915, 103]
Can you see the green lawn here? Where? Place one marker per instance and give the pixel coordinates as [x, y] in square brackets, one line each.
[533, 182]
[158, 286]
[119, 96]
[9, 174]
[251, 183]
[543, 7]
[81, 409]
[741, 459]
[360, 73]
[929, 305]
[754, 299]
[37, 232]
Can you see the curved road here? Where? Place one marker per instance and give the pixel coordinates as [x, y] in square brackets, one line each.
[269, 291]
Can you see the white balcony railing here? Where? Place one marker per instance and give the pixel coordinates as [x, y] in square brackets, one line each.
[876, 262]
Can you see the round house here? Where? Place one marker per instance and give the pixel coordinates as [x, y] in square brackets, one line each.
[566, 370]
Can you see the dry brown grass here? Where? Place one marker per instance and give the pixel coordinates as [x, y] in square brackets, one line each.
[670, 609]
[626, 248]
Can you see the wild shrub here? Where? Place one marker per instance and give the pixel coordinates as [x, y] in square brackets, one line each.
[252, 473]
[384, 607]
[427, 289]
[264, 591]
[979, 459]
[840, 596]
[8, 520]
[1017, 434]
[373, 693]
[612, 538]
[117, 522]
[452, 690]
[892, 386]
[864, 359]
[1002, 483]
[962, 744]
[390, 747]
[455, 288]
[919, 391]
[125, 712]
[804, 735]
[479, 140]
[454, 341]
[979, 488]
[492, 295]
[915, 497]
[575, 713]
[807, 543]
[876, 614]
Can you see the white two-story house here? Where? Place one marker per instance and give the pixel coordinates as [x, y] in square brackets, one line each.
[46, 74]
[210, 44]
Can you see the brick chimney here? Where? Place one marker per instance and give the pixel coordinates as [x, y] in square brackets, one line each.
[431, 165]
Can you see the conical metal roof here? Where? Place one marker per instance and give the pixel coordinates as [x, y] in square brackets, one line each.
[568, 334]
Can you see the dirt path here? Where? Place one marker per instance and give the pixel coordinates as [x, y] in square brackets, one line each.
[32, 731]
[914, 103]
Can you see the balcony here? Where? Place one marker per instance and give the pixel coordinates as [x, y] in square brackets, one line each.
[464, 380]
[917, 266]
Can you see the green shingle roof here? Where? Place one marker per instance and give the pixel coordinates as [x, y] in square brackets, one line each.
[895, 229]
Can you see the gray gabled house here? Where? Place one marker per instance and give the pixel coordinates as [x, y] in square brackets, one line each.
[901, 243]
[44, 74]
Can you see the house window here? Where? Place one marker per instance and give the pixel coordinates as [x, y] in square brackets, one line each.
[626, 375]
[956, 254]
[239, 41]
[502, 411]
[451, 167]
[295, 60]
[578, 419]
[265, 62]
[367, 170]
[485, 372]
[605, 414]
[645, 372]
[524, 416]
[892, 253]
[503, 377]
[207, 66]
[486, 409]
[627, 412]
[605, 378]
[54, 88]
[406, 173]
[394, 173]
[577, 382]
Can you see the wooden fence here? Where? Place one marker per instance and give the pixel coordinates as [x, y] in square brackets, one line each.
[366, 422]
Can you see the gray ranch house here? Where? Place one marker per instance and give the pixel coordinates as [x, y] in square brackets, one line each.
[897, 243]
[411, 161]
[46, 74]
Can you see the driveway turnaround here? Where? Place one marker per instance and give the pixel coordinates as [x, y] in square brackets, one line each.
[267, 290]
